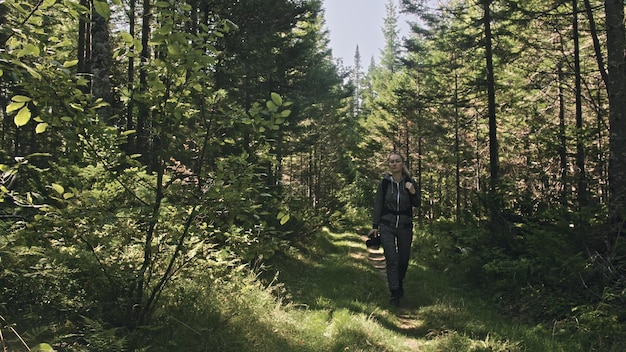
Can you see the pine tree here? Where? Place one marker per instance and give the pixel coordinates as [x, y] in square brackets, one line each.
[391, 52]
[357, 81]
[617, 106]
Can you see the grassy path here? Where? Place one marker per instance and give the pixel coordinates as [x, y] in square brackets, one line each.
[336, 295]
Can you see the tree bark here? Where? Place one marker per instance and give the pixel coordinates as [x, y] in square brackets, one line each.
[562, 137]
[596, 42]
[614, 10]
[101, 63]
[581, 176]
[84, 44]
[144, 112]
[494, 203]
[131, 66]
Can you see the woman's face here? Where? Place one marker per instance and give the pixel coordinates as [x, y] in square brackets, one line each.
[395, 162]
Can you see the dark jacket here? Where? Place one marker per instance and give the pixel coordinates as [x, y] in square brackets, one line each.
[394, 204]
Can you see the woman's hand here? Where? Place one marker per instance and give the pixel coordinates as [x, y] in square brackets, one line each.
[409, 186]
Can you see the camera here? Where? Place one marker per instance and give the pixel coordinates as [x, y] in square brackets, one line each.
[373, 242]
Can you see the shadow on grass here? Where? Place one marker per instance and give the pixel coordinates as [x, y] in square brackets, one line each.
[333, 275]
[332, 296]
[339, 272]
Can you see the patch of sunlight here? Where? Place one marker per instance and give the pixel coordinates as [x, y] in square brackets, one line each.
[453, 341]
[360, 332]
[350, 244]
[345, 236]
[306, 261]
[357, 255]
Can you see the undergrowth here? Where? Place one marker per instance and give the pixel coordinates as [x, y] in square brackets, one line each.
[329, 297]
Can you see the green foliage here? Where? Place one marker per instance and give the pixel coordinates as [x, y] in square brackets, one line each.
[542, 278]
[137, 219]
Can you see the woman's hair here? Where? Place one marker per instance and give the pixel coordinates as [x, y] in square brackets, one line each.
[405, 170]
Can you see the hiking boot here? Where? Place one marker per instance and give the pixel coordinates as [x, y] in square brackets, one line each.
[395, 297]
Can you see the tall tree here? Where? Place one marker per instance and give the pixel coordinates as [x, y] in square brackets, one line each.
[357, 81]
[580, 147]
[391, 52]
[614, 10]
[494, 162]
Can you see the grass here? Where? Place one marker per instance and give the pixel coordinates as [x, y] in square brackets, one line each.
[331, 298]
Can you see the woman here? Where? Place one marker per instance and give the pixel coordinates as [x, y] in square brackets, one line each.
[393, 222]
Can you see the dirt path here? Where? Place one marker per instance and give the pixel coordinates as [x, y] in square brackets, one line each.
[377, 259]
[407, 317]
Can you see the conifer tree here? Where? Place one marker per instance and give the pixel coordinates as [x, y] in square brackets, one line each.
[391, 52]
[617, 105]
[357, 78]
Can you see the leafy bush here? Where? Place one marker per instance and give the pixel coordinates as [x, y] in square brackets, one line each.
[543, 275]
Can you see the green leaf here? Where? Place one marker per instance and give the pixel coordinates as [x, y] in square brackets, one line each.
[58, 188]
[128, 39]
[284, 219]
[173, 49]
[70, 63]
[102, 8]
[33, 50]
[22, 117]
[34, 73]
[36, 155]
[271, 106]
[41, 127]
[285, 113]
[42, 347]
[100, 103]
[277, 99]
[20, 99]
[230, 25]
[14, 106]
[77, 106]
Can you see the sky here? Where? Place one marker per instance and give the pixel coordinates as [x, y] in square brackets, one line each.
[352, 22]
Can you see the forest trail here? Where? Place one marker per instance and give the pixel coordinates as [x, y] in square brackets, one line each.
[344, 282]
[440, 312]
[408, 321]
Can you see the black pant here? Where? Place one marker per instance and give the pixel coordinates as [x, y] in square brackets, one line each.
[396, 243]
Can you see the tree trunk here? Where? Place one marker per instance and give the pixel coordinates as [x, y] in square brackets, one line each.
[84, 44]
[144, 112]
[457, 149]
[581, 176]
[131, 67]
[596, 43]
[614, 10]
[494, 203]
[562, 138]
[101, 63]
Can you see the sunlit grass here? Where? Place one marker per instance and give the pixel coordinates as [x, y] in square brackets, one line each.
[331, 298]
